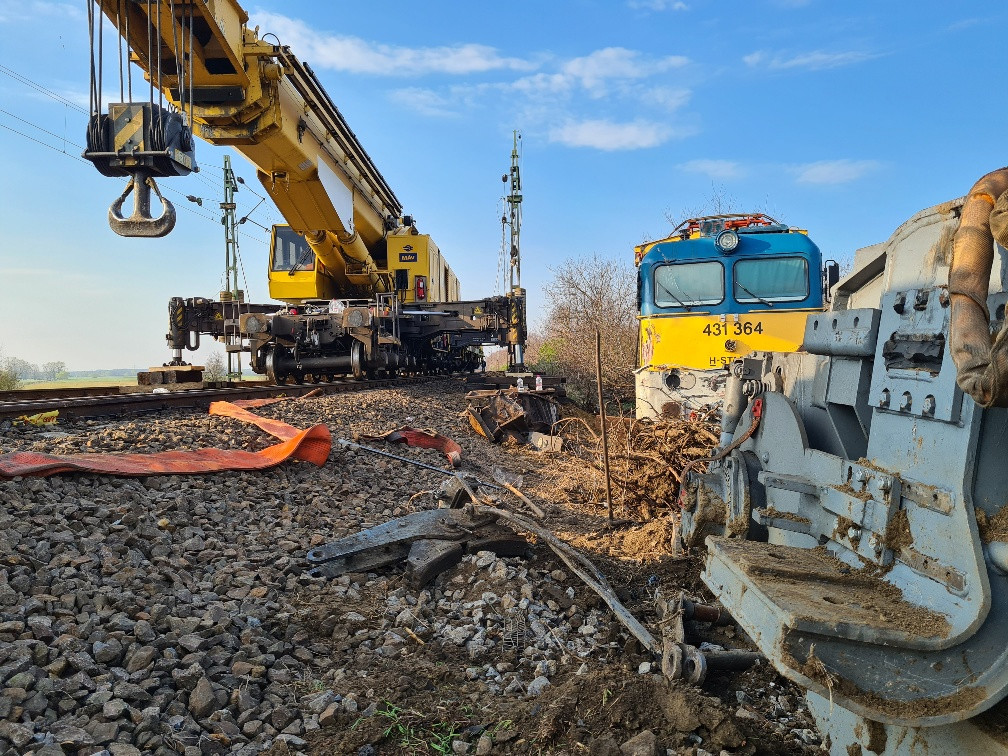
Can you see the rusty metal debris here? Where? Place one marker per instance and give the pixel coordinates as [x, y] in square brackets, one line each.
[429, 542]
[502, 413]
[423, 439]
[681, 660]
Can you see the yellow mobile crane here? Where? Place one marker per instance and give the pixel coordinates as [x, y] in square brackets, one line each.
[364, 290]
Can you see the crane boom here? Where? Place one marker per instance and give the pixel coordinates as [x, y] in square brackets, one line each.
[239, 90]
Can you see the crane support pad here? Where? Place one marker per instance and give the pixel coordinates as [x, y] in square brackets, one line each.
[311, 445]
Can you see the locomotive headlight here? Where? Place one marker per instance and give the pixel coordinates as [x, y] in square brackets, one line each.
[727, 241]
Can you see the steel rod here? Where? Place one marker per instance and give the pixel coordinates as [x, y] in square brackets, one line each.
[407, 460]
[602, 414]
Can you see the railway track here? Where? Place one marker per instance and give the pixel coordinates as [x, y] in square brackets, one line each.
[106, 401]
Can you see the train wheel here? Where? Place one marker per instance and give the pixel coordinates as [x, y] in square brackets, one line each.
[272, 374]
[357, 360]
[316, 378]
[298, 377]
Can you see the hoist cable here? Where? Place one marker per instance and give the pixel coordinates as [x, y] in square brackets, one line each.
[122, 95]
[192, 18]
[150, 50]
[129, 69]
[101, 60]
[93, 86]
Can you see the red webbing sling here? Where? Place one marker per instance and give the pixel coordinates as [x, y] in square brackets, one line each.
[311, 445]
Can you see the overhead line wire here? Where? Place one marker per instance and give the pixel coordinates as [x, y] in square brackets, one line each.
[38, 87]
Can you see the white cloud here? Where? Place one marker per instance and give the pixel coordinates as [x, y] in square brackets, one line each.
[667, 97]
[607, 135]
[424, 101]
[616, 63]
[542, 83]
[12, 12]
[813, 61]
[965, 23]
[715, 169]
[833, 171]
[356, 55]
[658, 5]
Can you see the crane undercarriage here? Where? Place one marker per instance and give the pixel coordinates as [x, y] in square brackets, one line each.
[318, 341]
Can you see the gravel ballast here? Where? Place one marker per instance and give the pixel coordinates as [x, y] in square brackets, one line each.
[170, 614]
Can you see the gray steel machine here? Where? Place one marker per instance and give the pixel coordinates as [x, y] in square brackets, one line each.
[854, 522]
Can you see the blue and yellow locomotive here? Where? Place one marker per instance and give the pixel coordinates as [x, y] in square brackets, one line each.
[718, 288]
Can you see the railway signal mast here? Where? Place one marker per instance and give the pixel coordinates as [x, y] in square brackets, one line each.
[516, 349]
[231, 294]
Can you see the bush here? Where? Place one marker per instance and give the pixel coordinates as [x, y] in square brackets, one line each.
[585, 295]
[215, 369]
[9, 380]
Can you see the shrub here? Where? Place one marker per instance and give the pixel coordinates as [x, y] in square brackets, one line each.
[9, 380]
[215, 369]
[585, 295]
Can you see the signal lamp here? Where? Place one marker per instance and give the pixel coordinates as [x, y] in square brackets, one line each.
[727, 241]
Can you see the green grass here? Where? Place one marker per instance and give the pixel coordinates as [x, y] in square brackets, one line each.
[117, 380]
[416, 734]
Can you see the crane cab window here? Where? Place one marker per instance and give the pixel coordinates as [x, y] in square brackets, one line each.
[291, 251]
[774, 279]
[689, 284]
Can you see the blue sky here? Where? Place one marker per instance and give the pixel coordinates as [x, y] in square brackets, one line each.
[843, 118]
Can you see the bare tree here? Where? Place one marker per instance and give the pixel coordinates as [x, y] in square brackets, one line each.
[215, 370]
[719, 202]
[51, 371]
[586, 294]
[9, 379]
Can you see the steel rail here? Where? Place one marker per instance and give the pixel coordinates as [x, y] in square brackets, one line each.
[109, 404]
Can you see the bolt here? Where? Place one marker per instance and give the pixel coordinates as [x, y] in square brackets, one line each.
[765, 457]
[860, 477]
[905, 402]
[929, 405]
[884, 485]
[884, 398]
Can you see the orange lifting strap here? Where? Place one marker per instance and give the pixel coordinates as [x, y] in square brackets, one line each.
[310, 445]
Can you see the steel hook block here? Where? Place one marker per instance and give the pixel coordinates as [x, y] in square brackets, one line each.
[140, 223]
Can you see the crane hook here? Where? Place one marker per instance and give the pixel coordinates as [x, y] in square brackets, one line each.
[140, 223]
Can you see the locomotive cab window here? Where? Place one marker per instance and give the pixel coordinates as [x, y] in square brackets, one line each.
[775, 279]
[291, 251]
[689, 284]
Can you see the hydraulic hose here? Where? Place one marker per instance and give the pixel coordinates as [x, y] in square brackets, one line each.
[981, 361]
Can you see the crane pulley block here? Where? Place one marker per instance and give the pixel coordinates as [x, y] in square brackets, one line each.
[140, 135]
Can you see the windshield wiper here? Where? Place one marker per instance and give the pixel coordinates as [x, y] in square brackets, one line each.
[302, 259]
[678, 301]
[754, 296]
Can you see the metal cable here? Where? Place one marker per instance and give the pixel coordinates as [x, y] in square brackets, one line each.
[150, 51]
[129, 69]
[119, 34]
[20, 78]
[92, 88]
[158, 135]
[192, 17]
[101, 60]
[45, 131]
